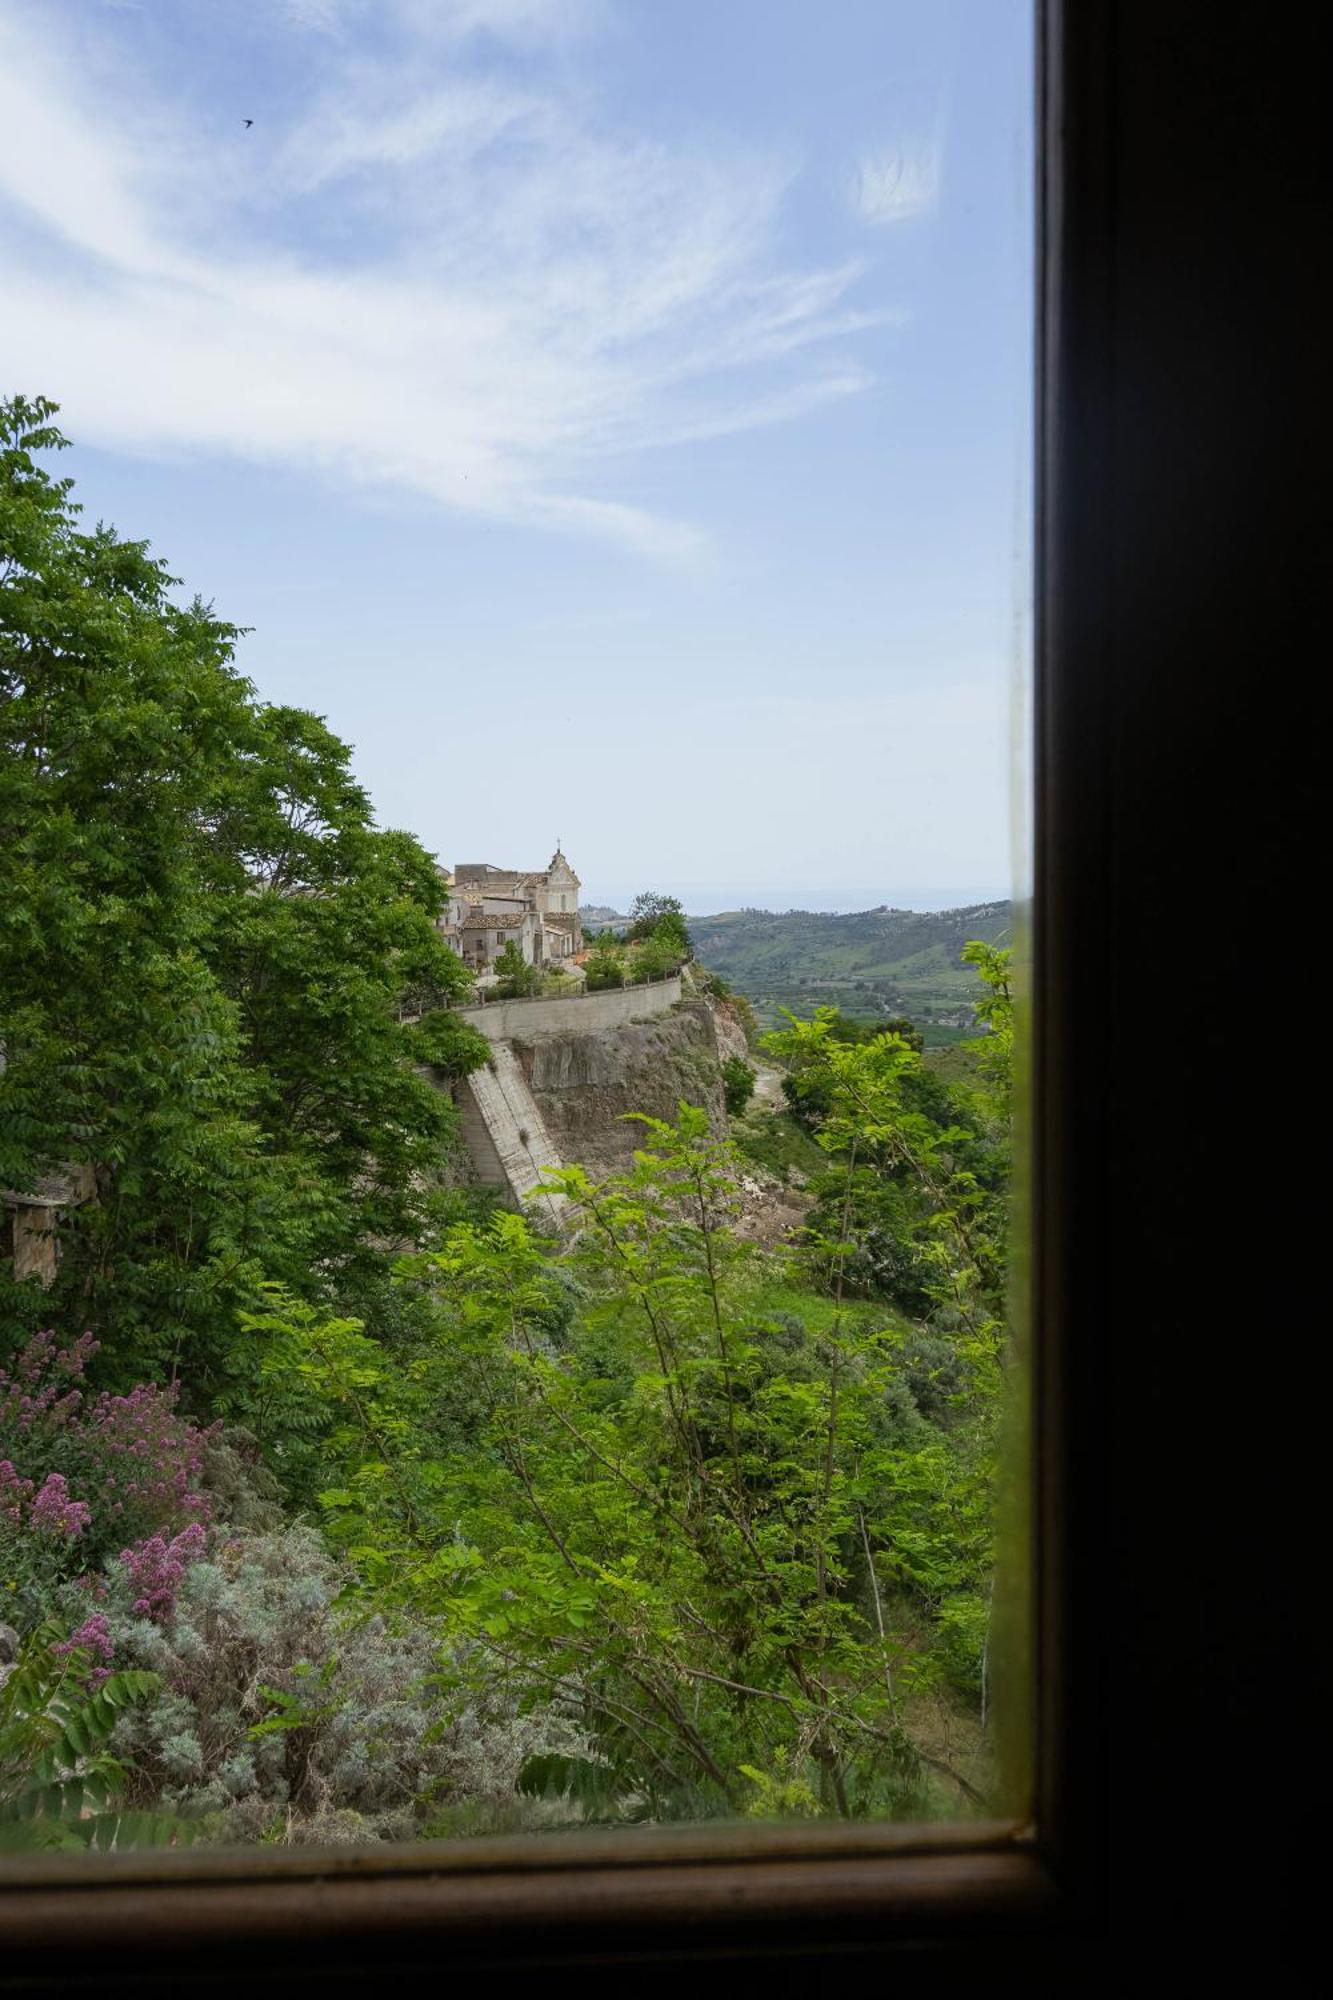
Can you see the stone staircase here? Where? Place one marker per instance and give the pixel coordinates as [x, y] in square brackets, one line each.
[506, 1136]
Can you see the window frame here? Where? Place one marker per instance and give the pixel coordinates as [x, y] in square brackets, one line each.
[962, 1889]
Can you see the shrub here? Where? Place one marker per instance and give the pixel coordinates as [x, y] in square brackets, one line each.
[283, 1714]
[660, 918]
[39, 1528]
[653, 958]
[605, 966]
[516, 978]
[738, 1081]
[81, 1479]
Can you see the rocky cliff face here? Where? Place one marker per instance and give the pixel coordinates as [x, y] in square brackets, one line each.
[730, 1031]
[584, 1084]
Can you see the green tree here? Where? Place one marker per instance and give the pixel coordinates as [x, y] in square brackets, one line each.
[662, 919]
[516, 977]
[995, 1010]
[651, 958]
[203, 947]
[916, 1203]
[318, 924]
[884, 1121]
[119, 714]
[605, 963]
[666, 1516]
[738, 1081]
[449, 1044]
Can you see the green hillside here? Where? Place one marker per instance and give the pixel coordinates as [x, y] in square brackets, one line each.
[866, 962]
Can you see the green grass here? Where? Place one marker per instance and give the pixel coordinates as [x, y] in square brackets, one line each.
[773, 1140]
[953, 1063]
[936, 1035]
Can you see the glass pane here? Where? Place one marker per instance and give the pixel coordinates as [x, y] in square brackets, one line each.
[509, 1344]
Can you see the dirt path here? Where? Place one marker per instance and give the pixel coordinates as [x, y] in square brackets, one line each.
[768, 1086]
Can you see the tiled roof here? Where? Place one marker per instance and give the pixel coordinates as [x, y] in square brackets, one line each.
[478, 920]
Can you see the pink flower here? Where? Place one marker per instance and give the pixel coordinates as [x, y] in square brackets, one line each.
[135, 1454]
[94, 1637]
[156, 1567]
[34, 1391]
[14, 1491]
[54, 1510]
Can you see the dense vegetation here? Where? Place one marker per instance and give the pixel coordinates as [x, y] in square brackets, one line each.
[337, 1503]
[654, 944]
[205, 941]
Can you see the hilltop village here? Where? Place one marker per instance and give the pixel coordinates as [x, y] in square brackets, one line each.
[535, 909]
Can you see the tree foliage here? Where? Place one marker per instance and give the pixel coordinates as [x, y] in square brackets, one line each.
[604, 966]
[638, 1522]
[738, 1081]
[679, 1517]
[58, 1777]
[516, 979]
[660, 919]
[203, 947]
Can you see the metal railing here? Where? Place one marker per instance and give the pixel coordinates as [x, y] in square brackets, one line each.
[485, 997]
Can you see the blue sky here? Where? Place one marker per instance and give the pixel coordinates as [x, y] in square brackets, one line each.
[611, 414]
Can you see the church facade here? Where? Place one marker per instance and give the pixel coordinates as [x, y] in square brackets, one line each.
[536, 909]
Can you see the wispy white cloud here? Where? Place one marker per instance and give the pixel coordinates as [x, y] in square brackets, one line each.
[516, 21]
[460, 287]
[897, 184]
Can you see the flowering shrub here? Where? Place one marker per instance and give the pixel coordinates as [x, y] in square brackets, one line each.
[156, 1567]
[149, 1458]
[51, 1509]
[91, 1647]
[54, 1511]
[35, 1394]
[282, 1714]
[82, 1476]
[276, 1711]
[93, 1637]
[134, 1457]
[38, 1525]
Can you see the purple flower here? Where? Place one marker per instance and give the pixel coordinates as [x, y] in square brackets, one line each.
[155, 1568]
[135, 1454]
[94, 1637]
[54, 1510]
[14, 1491]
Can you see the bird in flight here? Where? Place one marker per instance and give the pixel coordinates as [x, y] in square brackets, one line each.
[247, 122]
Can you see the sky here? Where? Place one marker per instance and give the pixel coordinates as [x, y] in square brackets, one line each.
[613, 416]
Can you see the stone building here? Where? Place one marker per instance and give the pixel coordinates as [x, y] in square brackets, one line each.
[536, 909]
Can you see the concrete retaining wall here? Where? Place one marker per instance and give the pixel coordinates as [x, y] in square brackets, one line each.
[581, 1013]
[507, 1136]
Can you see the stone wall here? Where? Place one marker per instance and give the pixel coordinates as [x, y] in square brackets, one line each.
[579, 1013]
[565, 1073]
[506, 1136]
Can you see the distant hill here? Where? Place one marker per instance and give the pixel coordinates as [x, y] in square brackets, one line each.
[867, 962]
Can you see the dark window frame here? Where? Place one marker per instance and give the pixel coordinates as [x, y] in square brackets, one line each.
[1139, 218]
